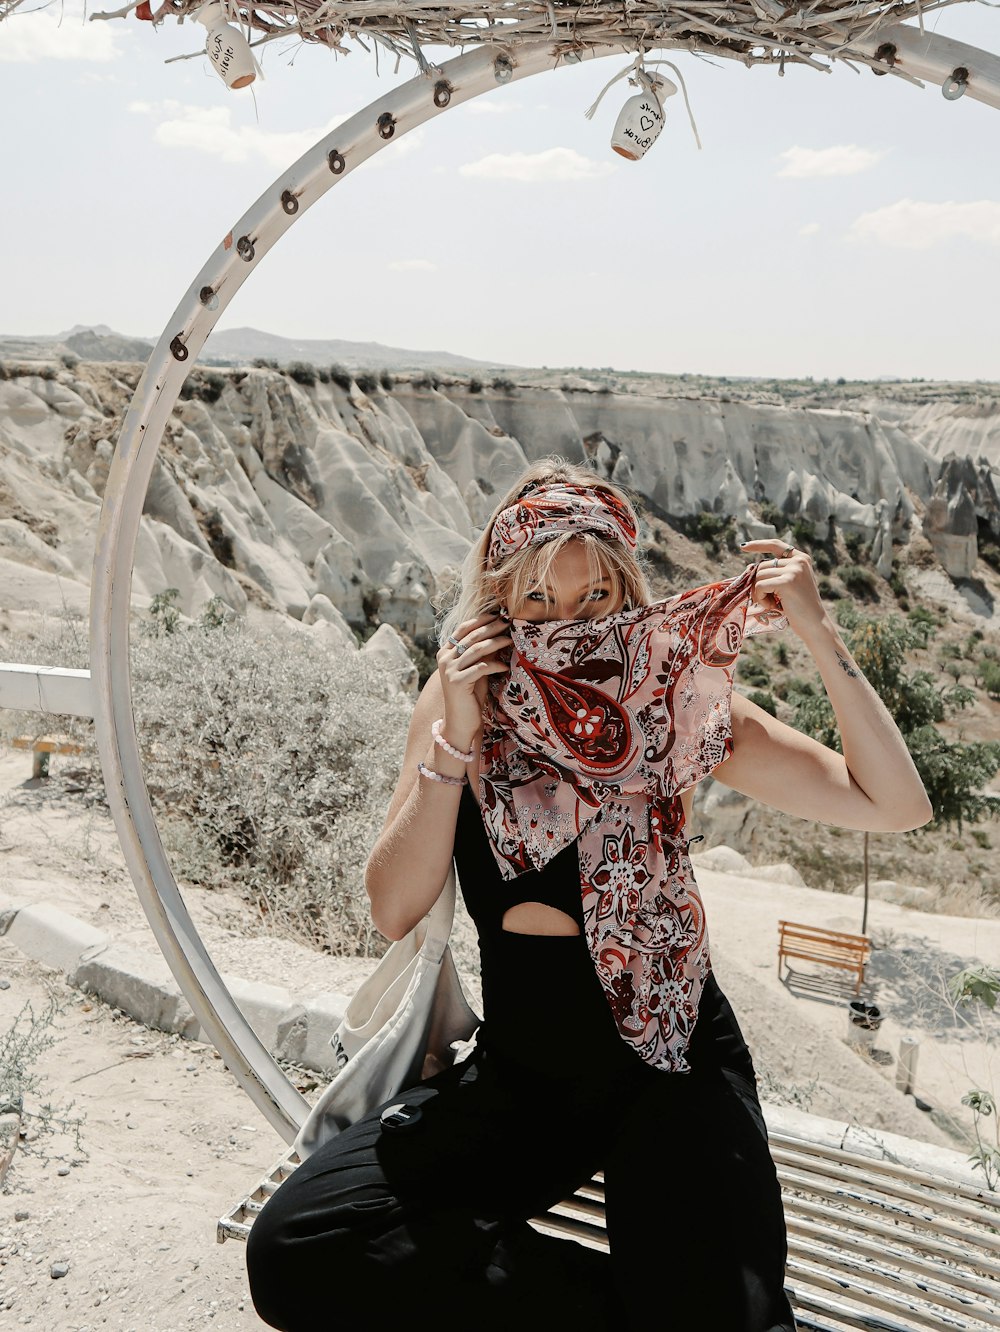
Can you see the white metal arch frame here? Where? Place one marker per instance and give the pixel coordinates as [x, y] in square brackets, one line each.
[330, 160]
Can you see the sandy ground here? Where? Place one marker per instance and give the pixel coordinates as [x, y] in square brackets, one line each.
[171, 1141]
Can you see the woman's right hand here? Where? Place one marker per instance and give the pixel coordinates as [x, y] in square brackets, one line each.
[464, 676]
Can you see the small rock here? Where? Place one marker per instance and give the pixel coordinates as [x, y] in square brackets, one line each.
[63, 1170]
[722, 860]
[4, 983]
[58, 1270]
[780, 873]
[20, 1216]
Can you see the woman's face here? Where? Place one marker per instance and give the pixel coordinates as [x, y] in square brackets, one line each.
[570, 594]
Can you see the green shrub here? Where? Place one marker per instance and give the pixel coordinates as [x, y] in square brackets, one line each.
[264, 363]
[387, 381]
[165, 618]
[856, 546]
[803, 534]
[715, 531]
[367, 382]
[503, 385]
[770, 513]
[989, 553]
[303, 373]
[859, 582]
[781, 652]
[821, 561]
[764, 700]
[989, 673]
[827, 590]
[341, 377]
[475, 386]
[204, 385]
[794, 686]
[754, 672]
[923, 621]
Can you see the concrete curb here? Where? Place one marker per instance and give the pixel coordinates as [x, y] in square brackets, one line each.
[296, 1028]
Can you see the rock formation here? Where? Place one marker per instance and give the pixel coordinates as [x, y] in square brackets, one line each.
[345, 509]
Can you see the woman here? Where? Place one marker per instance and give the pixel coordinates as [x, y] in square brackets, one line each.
[553, 756]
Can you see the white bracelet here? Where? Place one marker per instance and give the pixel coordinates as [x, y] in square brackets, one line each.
[449, 749]
[424, 771]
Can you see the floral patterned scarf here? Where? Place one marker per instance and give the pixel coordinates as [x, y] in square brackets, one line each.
[594, 733]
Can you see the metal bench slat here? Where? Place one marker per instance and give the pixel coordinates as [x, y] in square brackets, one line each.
[845, 1315]
[867, 1264]
[843, 1155]
[906, 1249]
[851, 1174]
[936, 1319]
[887, 1205]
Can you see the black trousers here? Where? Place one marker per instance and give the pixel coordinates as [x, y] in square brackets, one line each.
[383, 1224]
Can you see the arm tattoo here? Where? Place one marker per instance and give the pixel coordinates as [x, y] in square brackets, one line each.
[846, 666]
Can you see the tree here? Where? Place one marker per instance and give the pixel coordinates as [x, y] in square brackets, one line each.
[953, 773]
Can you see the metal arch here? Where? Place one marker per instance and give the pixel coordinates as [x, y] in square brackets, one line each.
[925, 55]
[329, 161]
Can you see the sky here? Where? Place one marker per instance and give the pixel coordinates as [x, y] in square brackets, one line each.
[832, 224]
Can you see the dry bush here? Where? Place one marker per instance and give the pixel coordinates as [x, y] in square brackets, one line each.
[270, 760]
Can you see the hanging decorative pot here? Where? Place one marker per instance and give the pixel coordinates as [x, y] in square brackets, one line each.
[227, 48]
[641, 118]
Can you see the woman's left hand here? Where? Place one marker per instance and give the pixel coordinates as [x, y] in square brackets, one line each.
[786, 582]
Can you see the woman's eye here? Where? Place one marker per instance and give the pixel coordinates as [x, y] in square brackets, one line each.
[536, 596]
[598, 593]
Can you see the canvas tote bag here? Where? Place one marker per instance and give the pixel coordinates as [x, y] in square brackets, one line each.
[408, 1020]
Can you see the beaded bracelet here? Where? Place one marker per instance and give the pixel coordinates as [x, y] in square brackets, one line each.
[449, 749]
[424, 771]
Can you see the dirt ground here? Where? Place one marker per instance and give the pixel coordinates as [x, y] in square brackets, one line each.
[169, 1142]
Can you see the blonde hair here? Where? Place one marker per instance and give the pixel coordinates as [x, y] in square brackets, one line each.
[480, 588]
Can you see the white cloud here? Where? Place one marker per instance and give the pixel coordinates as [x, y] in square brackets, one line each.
[551, 165]
[210, 129]
[911, 225]
[810, 229]
[846, 159]
[29, 38]
[413, 266]
[487, 108]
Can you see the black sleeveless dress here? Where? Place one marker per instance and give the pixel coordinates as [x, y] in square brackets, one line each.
[544, 1008]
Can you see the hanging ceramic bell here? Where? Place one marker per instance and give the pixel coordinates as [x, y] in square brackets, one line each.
[641, 118]
[226, 47]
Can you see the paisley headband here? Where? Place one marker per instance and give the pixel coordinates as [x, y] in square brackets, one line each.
[549, 510]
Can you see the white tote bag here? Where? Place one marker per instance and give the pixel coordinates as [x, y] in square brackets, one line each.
[408, 1020]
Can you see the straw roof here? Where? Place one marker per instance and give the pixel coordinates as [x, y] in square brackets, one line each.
[750, 31]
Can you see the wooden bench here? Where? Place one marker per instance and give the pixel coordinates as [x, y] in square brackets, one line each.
[873, 1245]
[42, 746]
[833, 948]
